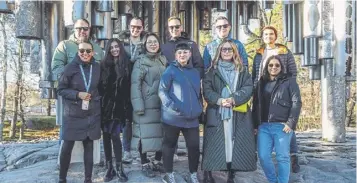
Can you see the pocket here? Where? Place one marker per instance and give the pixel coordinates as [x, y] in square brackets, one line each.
[284, 103]
[74, 109]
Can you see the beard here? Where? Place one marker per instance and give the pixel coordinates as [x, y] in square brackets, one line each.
[82, 39]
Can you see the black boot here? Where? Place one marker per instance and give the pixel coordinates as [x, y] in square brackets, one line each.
[230, 173]
[109, 175]
[88, 180]
[62, 181]
[120, 172]
[207, 177]
[295, 167]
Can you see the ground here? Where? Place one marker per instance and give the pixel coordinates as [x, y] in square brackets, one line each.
[36, 162]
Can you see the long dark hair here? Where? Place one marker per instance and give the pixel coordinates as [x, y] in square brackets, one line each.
[121, 66]
[266, 75]
[146, 39]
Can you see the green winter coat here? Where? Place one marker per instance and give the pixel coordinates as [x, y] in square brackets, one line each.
[145, 79]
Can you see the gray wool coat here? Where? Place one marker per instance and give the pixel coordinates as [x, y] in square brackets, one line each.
[147, 124]
[214, 157]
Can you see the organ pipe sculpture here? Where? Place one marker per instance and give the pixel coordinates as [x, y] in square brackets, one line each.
[323, 31]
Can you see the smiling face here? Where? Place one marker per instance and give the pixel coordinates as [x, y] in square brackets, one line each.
[222, 28]
[114, 49]
[85, 52]
[81, 30]
[274, 67]
[152, 44]
[175, 28]
[182, 56]
[136, 27]
[269, 36]
[226, 52]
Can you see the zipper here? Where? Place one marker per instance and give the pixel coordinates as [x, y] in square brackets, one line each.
[271, 96]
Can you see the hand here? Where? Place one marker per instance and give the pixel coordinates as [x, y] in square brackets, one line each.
[231, 101]
[286, 128]
[226, 103]
[84, 96]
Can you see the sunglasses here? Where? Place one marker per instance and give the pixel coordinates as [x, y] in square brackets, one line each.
[229, 50]
[82, 28]
[224, 26]
[174, 26]
[276, 65]
[136, 27]
[85, 50]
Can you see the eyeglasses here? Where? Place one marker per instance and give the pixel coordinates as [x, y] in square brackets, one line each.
[152, 42]
[225, 50]
[82, 28]
[136, 27]
[224, 26]
[276, 65]
[174, 26]
[85, 50]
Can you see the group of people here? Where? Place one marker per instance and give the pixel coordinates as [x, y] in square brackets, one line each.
[152, 92]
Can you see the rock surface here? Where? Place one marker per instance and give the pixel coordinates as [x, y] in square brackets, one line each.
[320, 161]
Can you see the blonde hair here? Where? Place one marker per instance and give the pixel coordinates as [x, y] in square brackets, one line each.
[236, 57]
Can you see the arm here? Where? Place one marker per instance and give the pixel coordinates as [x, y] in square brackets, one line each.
[137, 78]
[255, 109]
[164, 88]
[197, 60]
[254, 70]
[243, 53]
[64, 89]
[296, 104]
[291, 64]
[59, 60]
[244, 93]
[206, 59]
[212, 97]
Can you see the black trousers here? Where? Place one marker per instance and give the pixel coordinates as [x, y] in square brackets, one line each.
[108, 139]
[144, 158]
[192, 138]
[65, 158]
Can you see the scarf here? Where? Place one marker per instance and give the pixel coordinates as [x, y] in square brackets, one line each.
[230, 76]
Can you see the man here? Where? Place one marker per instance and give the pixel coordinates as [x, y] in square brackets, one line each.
[64, 54]
[180, 115]
[178, 36]
[132, 39]
[270, 48]
[223, 28]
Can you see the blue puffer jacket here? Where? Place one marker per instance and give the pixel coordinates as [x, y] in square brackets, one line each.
[179, 92]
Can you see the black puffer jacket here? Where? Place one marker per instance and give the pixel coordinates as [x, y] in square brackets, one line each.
[285, 102]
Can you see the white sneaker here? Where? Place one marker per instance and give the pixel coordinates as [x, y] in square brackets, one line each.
[193, 178]
[176, 158]
[127, 158]
[169, 178]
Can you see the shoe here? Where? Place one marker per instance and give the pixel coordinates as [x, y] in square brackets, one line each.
[207, 177]
[147, 171]
[193, 178]
[122, 177]
[230, 177]
[62, 181]
[169, 178]
[294, 160]
[127, 158]
[176, 158]
[110, 173]
[88, 180]
[157, 166]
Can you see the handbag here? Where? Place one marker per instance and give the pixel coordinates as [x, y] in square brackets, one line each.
[241, 108]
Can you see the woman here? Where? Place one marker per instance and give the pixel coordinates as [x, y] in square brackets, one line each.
[276, 109]
[180, 94]
[147, 127]
[116, 104]
[229, 135]
[81, 118]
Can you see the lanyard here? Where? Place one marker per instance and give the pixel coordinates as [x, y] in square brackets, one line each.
[131, 49]
[87, 85]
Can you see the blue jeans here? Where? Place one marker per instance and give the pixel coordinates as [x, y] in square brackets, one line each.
[293, 145]
[127, 134]
[271, 135]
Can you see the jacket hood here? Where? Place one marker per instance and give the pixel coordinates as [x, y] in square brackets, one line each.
[282, 49]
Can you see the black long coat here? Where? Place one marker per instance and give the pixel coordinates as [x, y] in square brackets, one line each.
[79, 124]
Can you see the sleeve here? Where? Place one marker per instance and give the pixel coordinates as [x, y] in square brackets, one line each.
[59, 60]
[243, 54]
[291, 65]
[64, 89]
[137, 78]
[243, 94]
[206, 59]
[254, 70]
[197, 60]
[164, 88]
[209, 94]
[255, 109]
[296, 104]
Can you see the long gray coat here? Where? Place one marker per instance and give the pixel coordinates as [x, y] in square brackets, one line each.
[79, 124]
[145, 79]
[214, 157]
